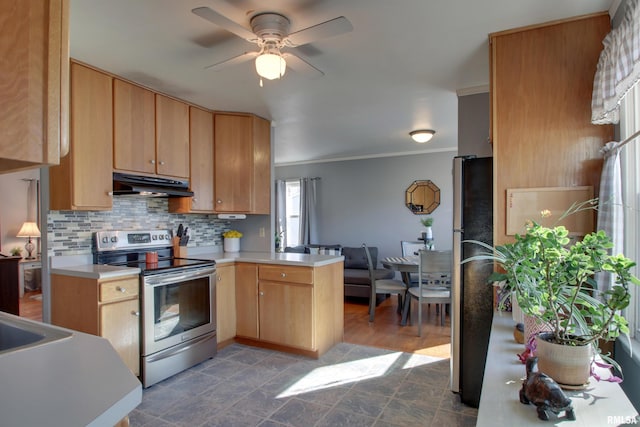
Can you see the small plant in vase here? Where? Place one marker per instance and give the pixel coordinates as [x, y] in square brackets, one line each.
[232, 240]
[427, 222]
[553, 281]
[17, 251]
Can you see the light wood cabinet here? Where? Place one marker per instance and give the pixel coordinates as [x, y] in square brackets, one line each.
[201, 165]
[247, 300]
[541, 86]
[172, 137]
[225, 302]
[34, 83]
[134, 132]
[83, 180]
[242, 158]
[298, 308]
[108, 308]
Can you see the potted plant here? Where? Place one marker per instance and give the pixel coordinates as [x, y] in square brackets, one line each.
[232, 240]
[427, 222]
[553, 281]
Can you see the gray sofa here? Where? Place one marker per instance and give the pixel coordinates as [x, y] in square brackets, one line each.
[356, 271]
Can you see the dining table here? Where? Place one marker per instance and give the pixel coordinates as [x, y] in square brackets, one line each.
[405, 265]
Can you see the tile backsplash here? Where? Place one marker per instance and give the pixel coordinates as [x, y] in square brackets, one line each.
[70, 232]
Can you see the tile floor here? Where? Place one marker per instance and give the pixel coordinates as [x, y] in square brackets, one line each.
[351, 385]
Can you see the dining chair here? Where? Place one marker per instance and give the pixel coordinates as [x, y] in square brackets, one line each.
[383, 286]
[434, 264]
[411, 248]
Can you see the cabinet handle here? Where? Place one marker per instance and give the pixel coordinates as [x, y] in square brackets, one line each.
[153, 162]
[219, 278]
[283, 274]
[136, 313]
[161, 163]
[261, 293]
[110, 193]
[219, 201]
[121, 289]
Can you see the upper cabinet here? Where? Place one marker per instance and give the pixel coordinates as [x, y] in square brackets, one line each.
[242, 168]
[541, 85]
[134, 131]
[83, 180]
[172, 137]
[201, 179]
[34, 83]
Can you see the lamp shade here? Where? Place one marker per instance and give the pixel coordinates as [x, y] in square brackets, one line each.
[29, 229]
[270, 66]
[423, 135]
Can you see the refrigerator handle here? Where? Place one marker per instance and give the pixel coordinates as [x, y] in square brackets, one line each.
[456, 316]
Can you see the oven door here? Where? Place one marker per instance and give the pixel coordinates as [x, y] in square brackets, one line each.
[177, 307]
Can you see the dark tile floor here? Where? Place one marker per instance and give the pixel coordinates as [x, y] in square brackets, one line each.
[350, 385]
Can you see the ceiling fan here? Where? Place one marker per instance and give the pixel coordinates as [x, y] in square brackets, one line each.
[270, 31]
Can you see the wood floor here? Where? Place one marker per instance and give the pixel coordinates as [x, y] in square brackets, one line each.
[384, 332]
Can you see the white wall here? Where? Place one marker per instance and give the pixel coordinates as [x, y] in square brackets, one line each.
[362, 201]
[13, 208]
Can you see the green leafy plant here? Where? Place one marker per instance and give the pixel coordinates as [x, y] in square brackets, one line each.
[553, 280]
[230, 234]
[427, 221]
[17, 251]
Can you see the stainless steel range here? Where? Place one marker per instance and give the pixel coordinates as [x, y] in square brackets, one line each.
[178, 318]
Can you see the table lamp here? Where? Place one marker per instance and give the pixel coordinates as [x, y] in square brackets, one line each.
[29, 230]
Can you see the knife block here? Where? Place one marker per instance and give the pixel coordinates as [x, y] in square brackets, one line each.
[178, 251]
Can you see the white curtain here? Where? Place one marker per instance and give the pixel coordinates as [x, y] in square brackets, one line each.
[281, 210]
[618, 67]
[308, 211]
[610, 207]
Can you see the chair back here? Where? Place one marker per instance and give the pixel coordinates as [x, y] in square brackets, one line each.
[370, 264]
[410, 248]
[434, 262]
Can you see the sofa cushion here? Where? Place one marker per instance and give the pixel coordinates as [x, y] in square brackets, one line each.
[358, 276]
[297, 249]
[325, 249]
[357, 258]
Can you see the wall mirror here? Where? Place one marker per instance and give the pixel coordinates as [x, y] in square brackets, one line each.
[422, 197]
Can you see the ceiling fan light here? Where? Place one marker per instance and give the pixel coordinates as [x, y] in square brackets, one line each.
[422, 135]
[270, 66]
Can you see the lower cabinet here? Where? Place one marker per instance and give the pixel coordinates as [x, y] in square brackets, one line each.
[292, 306]
[109, 308]
[225, 302]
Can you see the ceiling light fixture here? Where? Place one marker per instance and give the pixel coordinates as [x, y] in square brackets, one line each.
[270, 64]
[422, 135]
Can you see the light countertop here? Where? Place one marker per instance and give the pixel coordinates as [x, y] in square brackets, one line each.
[600, 404]
[76, 381]
[96, 271]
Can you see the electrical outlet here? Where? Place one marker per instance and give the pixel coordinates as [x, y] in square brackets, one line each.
[261, 231]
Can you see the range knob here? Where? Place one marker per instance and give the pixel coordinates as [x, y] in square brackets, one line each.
[114, 239]
[105, 239]
[161, 237]
[154, 237]
[166, 236]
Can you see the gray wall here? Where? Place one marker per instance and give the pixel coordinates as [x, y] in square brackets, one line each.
[473, 125]
[362, 201]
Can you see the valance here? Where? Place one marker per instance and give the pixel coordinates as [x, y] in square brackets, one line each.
[618, 67]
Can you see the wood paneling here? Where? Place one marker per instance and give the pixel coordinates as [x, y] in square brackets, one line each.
[541, 84]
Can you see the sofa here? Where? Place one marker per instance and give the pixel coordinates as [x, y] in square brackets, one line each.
[356, 272]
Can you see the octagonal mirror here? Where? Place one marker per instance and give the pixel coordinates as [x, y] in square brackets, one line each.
[422, 197]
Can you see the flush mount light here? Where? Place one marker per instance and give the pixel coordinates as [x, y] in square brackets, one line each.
[270, 64]
[422, 135]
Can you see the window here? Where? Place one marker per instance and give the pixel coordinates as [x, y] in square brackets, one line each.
[630, 165]
[292, 213]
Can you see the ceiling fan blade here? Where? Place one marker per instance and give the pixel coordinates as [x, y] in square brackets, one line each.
[333, 27]
[301, 66]
[243, 57]
[224, 22]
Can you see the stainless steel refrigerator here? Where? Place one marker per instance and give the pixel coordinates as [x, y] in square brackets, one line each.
[472, 296]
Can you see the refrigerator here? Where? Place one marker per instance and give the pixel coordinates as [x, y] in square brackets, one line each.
[471, 294]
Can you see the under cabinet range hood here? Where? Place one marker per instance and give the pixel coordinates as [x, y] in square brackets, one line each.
[149, 186]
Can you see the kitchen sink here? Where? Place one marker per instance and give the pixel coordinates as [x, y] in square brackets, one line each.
[18, 334]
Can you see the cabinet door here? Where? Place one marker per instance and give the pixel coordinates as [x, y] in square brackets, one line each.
[134, 136]
[119, 323]
[247, 300]
[286, 313]
[225, 302]
[233, 162]
[172, 137]
[84, 180]
[261, 166]
[33, 82]
[201, 177]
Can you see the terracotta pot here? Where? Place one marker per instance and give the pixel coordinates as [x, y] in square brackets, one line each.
[569, 366]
